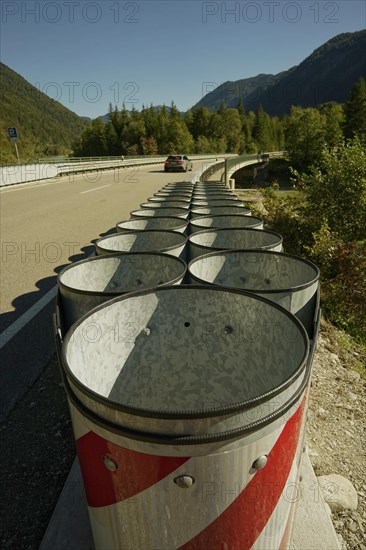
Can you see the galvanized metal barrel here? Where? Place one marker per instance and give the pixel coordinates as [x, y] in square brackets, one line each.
[182, 186]
[213, 196]
[209, 185]
[285, 279]
[210, 191]
[186, 405]
[225, 222]
[160, 212]
[143, 224]
[229, 201]
[217, 210]
[86, 284]
[168, 198]
[169, 242]
[166, 204]
[214, 240]
[172, 193]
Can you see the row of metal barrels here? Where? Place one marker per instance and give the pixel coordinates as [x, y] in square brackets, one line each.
[177, 389]
[186, 221]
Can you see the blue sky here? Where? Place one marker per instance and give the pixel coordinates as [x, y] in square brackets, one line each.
[87, 54]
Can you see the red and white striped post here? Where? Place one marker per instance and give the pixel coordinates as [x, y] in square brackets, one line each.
[189, 431]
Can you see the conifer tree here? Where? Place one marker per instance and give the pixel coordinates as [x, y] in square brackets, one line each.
[355, 111]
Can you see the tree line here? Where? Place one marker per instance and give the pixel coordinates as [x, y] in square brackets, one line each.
[324, 218]
[161, 130]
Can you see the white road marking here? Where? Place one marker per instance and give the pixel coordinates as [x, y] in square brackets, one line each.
[22, 186]
[27, 316]
[95, 189]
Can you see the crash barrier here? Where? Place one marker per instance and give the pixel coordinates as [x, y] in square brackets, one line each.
[213, 195]
[152, 240]
[171, 195]
[288, 280]
[186, 199]
[211, 240]
[154, 404]
[188, 401]
[216, 210]
[166, 204]
[161, 211]
[212, 203]
[224, 222]
[23, 173]
[88, 283]
[139, 224]
[230, 165]
[55, 166]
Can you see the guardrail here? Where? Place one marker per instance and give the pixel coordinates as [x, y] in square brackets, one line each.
[32, 172]
[232, 165]
[11, 175]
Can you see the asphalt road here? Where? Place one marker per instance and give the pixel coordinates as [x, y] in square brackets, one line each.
[45, 226]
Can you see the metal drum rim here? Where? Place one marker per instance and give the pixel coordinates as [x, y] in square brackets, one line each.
[194, 220]
[183, 214]
[101, 257]
[186, 440]
[185, 222]
[120, 235]
[213, 249]
[170, 415]
[256, 251]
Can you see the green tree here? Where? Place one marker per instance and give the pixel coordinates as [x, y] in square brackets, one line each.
[232, 129]
[178, 137]
[149, 145]
[305, 136]
[355, 111]
[240, 108]
[278, 134]
[198, 122]
[262, 132]
[335, 191]
[112, 143]
[334, 118]
[93, 141]
[132, 134]
[203, 145]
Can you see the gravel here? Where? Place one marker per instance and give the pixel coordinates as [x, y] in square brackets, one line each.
[336, 427]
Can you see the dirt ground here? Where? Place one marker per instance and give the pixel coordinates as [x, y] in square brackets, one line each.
[336, 425]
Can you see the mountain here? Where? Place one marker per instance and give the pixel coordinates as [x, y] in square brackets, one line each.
[328, 74]
[45, 127]
[231, 92]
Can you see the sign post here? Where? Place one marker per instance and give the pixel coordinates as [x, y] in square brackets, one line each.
[13, 136]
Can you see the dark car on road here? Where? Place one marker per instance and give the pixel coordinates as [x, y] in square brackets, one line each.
[178, 162]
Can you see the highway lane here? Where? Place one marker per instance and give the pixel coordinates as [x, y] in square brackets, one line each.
[44, 226]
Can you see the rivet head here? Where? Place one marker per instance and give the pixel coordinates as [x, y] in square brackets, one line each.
[184, 482]
[260, 462]
[110, 464]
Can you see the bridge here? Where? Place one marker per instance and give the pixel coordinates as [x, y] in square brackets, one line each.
[231, 165]
[57, 167]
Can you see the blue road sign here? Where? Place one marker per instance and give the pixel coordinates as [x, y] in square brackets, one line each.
[13, 134]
